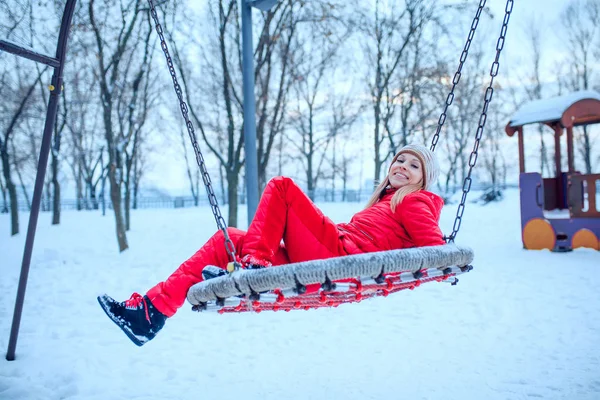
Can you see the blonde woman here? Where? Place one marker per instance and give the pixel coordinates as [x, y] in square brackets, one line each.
[288, 227]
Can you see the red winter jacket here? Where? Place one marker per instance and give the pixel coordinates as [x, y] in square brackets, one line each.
[286, 213]
[377, 228]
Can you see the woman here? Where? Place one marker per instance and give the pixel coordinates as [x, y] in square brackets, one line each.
[401, 213]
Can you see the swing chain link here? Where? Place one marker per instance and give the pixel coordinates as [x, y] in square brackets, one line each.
[482, 120]
[457, 74]
[212, 198]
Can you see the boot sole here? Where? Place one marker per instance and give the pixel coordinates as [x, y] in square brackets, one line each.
[103, 301]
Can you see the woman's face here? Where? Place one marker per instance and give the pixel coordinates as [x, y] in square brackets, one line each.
[406, 170]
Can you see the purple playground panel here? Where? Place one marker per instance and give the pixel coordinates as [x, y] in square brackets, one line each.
[556, 234]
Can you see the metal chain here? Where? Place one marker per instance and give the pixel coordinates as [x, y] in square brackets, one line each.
[482, 119]
[229, 247]
[457, 74]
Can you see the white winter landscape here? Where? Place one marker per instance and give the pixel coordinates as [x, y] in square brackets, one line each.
[521, 325]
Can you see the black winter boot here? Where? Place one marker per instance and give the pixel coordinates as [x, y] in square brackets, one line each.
[137, 317]
[211, 272]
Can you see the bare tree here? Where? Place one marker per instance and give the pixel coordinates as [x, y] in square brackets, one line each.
[535, 88]
[493, 160]
[59, 127]
[462, 120]
[116, 40]
[18, 129]
[218, 70]
[216, 105]
[276, 53]
[408, 108]
[581, 24]
[83, 131]
[344, 113]
[192, 171]
[313, 68]
[20, 161]
[14, 117]
[388, 31]
[185, 71]
[135, 106]
[85, 147]
[4, 208]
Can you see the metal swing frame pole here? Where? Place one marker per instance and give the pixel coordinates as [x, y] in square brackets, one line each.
[251, 163]
[249, 110]
[55, 90]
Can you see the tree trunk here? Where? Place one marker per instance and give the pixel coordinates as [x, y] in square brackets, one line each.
[91, 185]
[128, 183]
[136, 182]
[310, 184]
[103, 192]
[46, 197]
[376, 144]
[544, 164]
[79, 189]
[345, 179]
[12, 194]
[127, 204]
[587, 151]
[23, 188]
[14, 208]
[279, 159]
[4, 209]
[333, 169]
[115, 196]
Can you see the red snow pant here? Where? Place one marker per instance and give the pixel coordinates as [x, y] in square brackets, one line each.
[284, 213]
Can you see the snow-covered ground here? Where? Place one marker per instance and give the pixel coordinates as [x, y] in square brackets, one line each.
[523, 324]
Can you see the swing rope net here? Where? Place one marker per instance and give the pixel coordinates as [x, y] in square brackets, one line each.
[330, 282]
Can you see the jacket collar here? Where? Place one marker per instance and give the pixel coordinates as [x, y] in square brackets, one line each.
[388, 191]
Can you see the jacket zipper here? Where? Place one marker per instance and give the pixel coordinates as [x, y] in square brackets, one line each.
[365, 233]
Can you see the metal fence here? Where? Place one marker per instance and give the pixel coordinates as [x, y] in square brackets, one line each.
[350, 195]
[145, 202]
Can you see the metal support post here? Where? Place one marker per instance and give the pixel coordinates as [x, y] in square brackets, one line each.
[55, 90]
[249, 110]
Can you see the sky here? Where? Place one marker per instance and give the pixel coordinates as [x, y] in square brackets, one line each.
[523, 324]
[546, 13]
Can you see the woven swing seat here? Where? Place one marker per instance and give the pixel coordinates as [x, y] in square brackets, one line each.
[330, 282]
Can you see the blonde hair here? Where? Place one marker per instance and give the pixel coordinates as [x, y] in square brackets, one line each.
[400, 194]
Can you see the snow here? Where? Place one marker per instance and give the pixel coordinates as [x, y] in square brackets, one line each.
[550, 109]
[557, 214]
[523, 324]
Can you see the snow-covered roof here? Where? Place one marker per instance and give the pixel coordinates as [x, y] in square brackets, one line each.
[551, 109]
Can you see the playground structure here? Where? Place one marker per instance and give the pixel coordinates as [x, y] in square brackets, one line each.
[560, 213]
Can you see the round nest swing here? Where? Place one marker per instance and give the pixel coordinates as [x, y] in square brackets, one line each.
[330, 282]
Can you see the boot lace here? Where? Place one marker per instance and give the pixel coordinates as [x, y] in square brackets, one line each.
[135, 301]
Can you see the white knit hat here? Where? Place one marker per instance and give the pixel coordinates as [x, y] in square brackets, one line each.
[431, 168]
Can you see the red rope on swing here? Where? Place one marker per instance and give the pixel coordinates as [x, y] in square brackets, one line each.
[348, 291]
